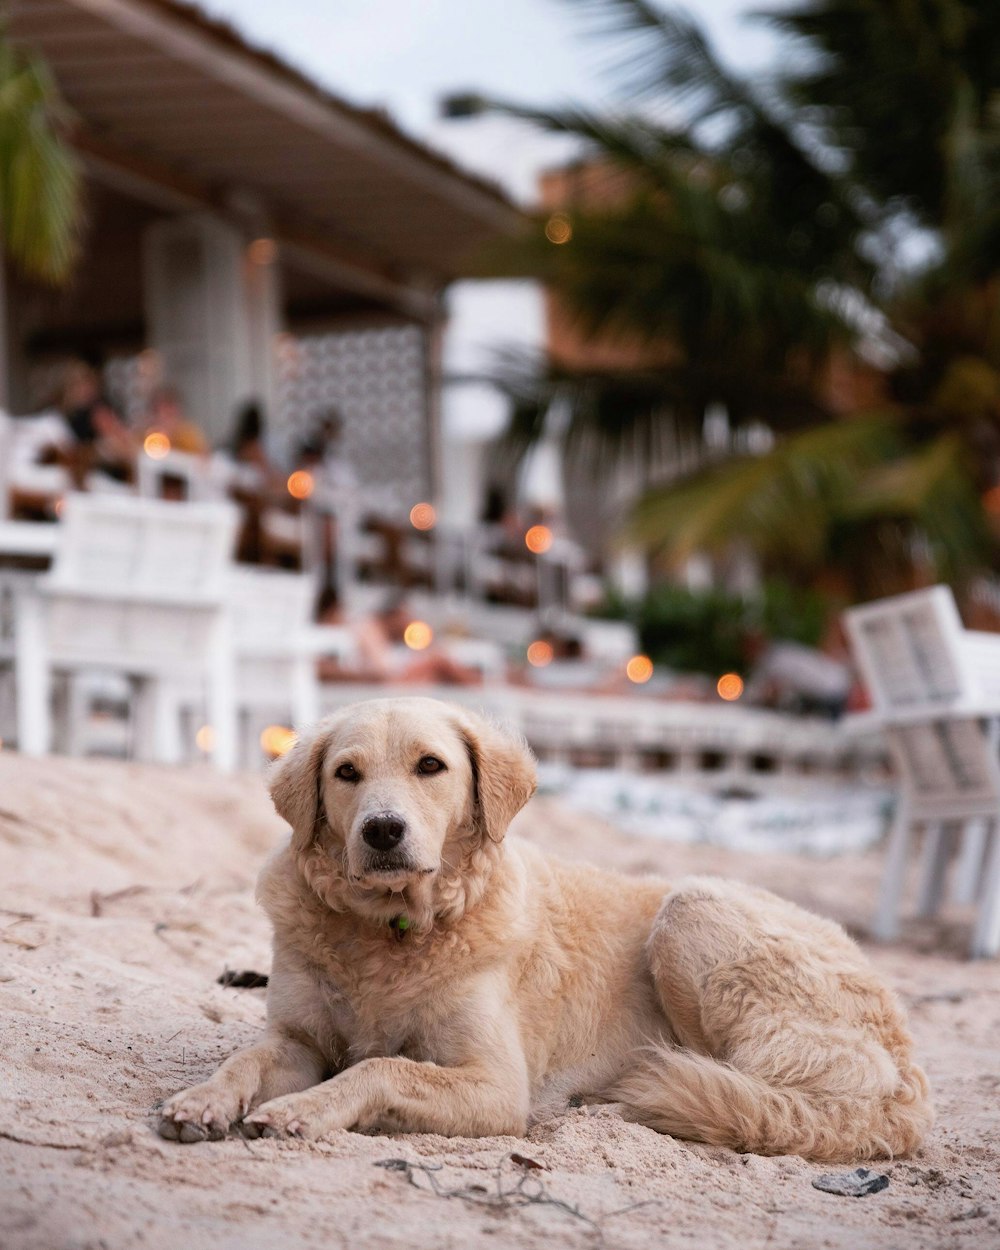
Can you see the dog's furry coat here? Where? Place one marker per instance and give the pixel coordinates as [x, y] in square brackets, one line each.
[708, 1009]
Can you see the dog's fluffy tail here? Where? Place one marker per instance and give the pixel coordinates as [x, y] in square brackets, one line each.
[695, 1097]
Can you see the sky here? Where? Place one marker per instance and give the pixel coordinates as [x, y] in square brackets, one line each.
[405, 55]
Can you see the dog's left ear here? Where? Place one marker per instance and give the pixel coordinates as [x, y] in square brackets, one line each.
[503, 774]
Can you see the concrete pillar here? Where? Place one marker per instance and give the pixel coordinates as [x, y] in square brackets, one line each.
[212, 313]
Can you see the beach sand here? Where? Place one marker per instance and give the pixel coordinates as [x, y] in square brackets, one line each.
[126, 890]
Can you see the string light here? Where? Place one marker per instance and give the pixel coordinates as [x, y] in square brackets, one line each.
[263, 251]
[538, 539]
[558, 228]
[300, 484]
[639, 669]
[540, 653]
[423, 516]
[275, 740]
[418, 635]
[156, 445]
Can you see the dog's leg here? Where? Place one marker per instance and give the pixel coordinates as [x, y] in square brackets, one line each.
[478, 1086]
[400, 1095]
[276, 1066]
[792, 1045]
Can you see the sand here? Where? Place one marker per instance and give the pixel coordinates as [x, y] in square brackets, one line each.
[126, 890]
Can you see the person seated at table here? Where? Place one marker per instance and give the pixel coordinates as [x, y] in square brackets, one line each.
[384, 656]
[167, 416]
[102, 441]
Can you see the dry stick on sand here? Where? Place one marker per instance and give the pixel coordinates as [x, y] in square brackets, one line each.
[529, 1190]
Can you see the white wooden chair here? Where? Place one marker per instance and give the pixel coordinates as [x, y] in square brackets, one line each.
[136, 587]
[935, 689]
[276, 648]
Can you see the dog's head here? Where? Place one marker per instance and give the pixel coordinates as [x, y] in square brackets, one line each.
[392, 792]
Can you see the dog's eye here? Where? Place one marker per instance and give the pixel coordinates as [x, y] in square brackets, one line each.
[347, 772]
[430, 764]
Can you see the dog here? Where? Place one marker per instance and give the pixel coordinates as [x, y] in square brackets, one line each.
[432, 976]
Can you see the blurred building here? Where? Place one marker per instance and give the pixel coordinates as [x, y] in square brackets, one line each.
[248, 236]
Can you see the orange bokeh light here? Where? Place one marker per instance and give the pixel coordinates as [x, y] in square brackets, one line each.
[991, 501]
[418, 635]
[538, 539]
[729, 686]
[539, 653]
[423, 516]
[263, 251]
[300, 484]
[639, 669]
[205, 738]
[156, 445]
[277, 739]
[558, 228]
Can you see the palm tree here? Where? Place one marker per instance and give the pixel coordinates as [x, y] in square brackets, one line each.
[40, 184]
[762, 232]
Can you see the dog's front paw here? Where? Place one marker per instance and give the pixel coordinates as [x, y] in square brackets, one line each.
[307, 1116]
[202, 1113]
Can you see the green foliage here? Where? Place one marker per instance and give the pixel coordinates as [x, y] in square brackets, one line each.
[712, 631]
[40, 197]
[754, 235]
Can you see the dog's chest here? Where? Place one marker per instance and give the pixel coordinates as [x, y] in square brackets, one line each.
[386, 996]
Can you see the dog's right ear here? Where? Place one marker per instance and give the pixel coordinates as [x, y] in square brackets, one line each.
[295, 781]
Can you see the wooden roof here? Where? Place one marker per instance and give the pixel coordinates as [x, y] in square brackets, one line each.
[179, 109]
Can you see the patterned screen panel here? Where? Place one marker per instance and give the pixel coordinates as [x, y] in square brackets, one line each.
[376, 380]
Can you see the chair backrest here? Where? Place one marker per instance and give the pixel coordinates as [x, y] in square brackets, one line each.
[181, 476]
[910, 649]
[143, 548]
[268, 607]
[949, 768]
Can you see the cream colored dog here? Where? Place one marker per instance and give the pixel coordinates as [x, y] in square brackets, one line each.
[429, 976]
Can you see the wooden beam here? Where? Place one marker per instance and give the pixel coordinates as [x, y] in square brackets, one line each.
[310, 247]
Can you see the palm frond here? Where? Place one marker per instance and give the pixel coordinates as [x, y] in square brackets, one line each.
[780, 505]
[40, 183]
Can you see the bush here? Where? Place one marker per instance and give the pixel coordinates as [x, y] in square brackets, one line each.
[713, 631]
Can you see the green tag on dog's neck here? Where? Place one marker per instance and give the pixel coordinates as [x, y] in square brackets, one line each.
[399, 925]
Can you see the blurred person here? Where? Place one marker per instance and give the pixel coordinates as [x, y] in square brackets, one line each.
[383, 655]
[167, 416]
[257, 483]
[792, 677]
[101, 440]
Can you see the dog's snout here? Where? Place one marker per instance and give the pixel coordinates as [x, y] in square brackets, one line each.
[383, 831]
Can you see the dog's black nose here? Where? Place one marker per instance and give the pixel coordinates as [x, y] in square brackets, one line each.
[383, 832]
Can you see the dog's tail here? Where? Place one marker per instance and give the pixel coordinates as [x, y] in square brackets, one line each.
[696, 1097]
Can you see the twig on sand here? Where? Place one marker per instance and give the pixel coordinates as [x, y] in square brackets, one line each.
[528, 1190]
[97, 899]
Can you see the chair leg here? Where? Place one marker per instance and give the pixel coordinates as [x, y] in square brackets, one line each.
[168, 747]
[222, 714]
[32, 677]
[886, 922]
[305, 693]
[986, 935]
[142, 720]
[933, 867]
[969, 868]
